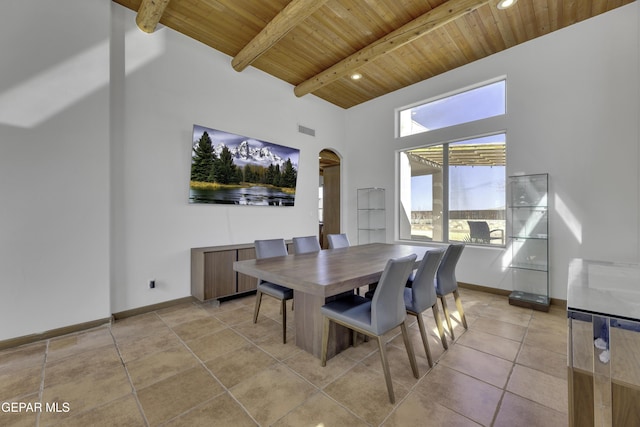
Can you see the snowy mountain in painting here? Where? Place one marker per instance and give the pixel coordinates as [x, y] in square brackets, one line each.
[245, 153]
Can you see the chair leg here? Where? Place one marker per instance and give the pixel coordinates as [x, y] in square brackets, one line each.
[284, 321]
[409, 347]
[436, 315]
[425, 339]
[325, 341]
[257, 308]
[447, 317]
[456, 295]
[385, 368]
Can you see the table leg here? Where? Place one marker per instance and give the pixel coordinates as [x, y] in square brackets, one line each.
[308, 321]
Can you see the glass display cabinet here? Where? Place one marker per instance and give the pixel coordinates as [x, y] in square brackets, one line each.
[603, 357]
[372, 219]
[529, 237]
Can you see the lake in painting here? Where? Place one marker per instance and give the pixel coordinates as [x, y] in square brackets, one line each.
[257, 196]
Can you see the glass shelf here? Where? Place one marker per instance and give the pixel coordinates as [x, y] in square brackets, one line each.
[529, 241]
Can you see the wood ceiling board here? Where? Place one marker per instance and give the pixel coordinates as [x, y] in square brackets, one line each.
[340, 28]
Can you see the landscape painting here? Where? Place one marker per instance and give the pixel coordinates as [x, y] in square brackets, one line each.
[233, 169]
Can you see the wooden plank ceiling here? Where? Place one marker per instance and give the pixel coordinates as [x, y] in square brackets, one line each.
[316, 45]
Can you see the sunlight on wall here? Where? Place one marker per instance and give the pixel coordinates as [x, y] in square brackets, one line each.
[569, 219]
[57, 88]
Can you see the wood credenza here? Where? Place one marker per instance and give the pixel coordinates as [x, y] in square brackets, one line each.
[212, 274]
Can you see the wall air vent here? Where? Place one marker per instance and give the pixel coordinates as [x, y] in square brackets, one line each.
[306, 130]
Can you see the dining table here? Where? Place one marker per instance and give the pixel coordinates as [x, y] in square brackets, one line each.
[320, 277]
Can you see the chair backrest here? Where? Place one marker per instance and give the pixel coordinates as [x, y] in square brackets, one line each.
[423, 292]
[338, 241]
[307, 244]
[387, 305]
[446, 276]
[479, 231]
[270, 248]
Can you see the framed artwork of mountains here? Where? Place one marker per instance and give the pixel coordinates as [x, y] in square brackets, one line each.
[233, 169]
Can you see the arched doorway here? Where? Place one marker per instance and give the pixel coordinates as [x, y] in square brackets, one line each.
[329, 195]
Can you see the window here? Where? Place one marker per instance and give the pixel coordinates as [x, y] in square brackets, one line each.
[474, 104]
[455, 191]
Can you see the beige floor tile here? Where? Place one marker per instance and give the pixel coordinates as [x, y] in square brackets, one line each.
[399, 364]
[76, 343]
[492, 344]
[272, 344]
[539, 387]
[234, 317]
[271, 383]
[265, 327]
[244, 363]
[176, 395]
[515, 410]
[549, 340]
[435, 345]
[364, 392]
[220, 411]
[483, 366]
[319, 410]
[504, 312]
[134, 348]
[461, 393]
[272, 393]
[26, 356]
[182, 313]
[98, 364]
[17, 418]
[216, 344]
[308, 366]
[544, 360]
[15, 383]
[418, 410]
[499, 328]
[120, 412]
[147, 370]
[139, 326]
[85, 391]
[197, 328]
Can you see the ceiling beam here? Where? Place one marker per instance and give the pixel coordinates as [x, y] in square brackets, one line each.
[424, 24]
[288, 18]
[149, 14]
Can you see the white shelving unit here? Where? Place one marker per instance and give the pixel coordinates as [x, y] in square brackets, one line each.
[372, 220]
[529, 241]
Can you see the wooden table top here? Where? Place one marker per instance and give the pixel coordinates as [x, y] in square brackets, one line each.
[331, 271]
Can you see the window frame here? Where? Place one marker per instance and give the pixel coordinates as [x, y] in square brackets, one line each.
[493, 125]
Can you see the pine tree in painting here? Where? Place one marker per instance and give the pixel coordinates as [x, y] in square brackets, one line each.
[202, 159]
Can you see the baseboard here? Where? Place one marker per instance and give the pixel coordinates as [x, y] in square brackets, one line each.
[560, 303]
[153, 307]
[28, 339]
[53, 333]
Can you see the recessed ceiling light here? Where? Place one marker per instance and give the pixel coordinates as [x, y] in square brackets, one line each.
[356, 76]
[503, 4]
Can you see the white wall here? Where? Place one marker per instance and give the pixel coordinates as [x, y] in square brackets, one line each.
[54, 164]
[183, 83]
[573, 110]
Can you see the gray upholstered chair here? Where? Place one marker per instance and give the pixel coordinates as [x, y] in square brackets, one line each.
[446, 283]
[422, 295]
[307, 244]
[270, 249]
[377, 316]
[338, 241]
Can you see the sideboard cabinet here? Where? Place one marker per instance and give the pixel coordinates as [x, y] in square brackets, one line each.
[212, 273]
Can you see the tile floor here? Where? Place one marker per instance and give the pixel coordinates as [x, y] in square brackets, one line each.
[203, 365]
